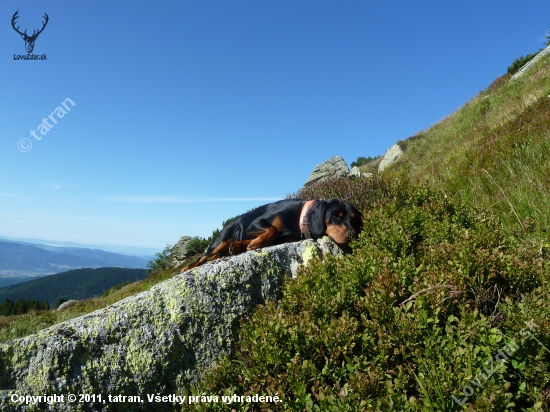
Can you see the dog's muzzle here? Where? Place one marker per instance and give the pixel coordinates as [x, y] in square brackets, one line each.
[350, 235]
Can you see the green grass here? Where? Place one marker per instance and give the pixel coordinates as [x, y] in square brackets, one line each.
[493, 152]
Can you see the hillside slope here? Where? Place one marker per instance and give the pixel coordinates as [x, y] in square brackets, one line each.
[494, 152]
[73, 284]
[441, 306]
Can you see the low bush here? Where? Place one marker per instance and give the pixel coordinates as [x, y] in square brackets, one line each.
[196, 246]
[361, 161]
[520, 62]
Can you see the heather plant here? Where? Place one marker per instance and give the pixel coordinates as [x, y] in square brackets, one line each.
[432, 290]
[360, 192]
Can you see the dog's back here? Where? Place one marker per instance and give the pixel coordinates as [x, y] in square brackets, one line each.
[279, 222]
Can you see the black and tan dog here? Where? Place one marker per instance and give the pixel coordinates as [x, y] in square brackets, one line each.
[285, 221]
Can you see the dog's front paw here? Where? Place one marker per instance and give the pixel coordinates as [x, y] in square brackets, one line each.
[237, 247]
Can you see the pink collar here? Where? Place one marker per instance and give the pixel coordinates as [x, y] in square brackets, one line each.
[304, 225]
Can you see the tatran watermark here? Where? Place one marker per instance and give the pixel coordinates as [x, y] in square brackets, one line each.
[29, 39]
[25, 144]
[494, 362]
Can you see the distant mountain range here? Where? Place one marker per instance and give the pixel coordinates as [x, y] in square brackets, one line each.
[143, 252]
[73, 284]
[21, 261]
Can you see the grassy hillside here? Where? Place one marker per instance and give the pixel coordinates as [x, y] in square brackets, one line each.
[494, 152]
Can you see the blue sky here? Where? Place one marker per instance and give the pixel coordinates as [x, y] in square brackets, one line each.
[190, 112]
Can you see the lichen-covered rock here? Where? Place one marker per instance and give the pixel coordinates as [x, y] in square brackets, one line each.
[179, 251]
[157, 342]
[335, 166]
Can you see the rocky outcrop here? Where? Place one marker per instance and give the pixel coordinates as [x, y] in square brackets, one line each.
[390, 157]
[181, 246]
[355, 172]
[157, 342]
[66, 305]
[335, 166]
[525, 68]
[179, 251]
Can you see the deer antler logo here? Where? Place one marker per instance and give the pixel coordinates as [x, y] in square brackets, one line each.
[29, 40]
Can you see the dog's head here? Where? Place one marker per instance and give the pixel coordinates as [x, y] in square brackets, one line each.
[335, 218]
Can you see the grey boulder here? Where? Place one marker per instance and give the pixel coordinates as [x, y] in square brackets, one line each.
[179, 251]
[355, 172]
[390, 157]
[335, 166]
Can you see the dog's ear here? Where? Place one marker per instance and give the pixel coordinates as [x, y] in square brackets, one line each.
[316, 219]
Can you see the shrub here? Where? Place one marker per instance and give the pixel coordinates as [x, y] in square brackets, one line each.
[361, 161]
[162, 262]
[196, 246]
[520, 62]
[362, 193]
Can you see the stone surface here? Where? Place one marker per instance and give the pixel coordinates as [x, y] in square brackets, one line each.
[355, 172]
[390, 157]
[530, 63]
[368, 174]
[335, 166]
[159, 341]
[66, 305]
[179, 251]
[181, 246]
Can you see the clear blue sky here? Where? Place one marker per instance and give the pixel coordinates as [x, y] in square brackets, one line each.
[190, 112]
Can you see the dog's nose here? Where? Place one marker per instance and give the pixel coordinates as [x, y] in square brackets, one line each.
[350, 234]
